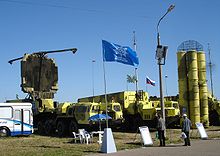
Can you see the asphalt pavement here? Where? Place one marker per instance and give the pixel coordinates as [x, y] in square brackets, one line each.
[210, 147]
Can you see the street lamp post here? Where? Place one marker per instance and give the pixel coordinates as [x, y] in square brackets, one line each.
[161, 56]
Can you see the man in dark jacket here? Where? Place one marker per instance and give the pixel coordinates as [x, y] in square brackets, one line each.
[160, 129]
[186, 129]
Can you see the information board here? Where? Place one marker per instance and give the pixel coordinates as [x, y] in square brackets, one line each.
[201, 130]
[145, 135]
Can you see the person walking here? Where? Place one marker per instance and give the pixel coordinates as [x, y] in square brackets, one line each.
[160, 129]
[186, 125]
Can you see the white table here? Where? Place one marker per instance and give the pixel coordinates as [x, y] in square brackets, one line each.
[100, 133]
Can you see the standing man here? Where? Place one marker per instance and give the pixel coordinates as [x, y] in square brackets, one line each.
[186, 129]
[161, 129]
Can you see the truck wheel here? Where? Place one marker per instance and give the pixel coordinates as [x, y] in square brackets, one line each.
[61, 128]
[213, 118]
[73, 127]
[48, 127]
[135, 122]
[128, 123]
[40, 128]
[4, 132]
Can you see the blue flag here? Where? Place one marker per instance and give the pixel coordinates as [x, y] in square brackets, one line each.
[116, 53]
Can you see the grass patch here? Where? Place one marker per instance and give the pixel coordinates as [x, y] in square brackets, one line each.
[54, 146]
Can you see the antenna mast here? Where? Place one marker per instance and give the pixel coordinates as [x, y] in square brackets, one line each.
[134, 44]
[210, 69]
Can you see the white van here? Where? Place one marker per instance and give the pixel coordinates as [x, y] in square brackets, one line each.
[16, 119]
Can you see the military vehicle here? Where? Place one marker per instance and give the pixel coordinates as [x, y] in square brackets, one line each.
[39, 75]
[171, 103]
[113, 108]
[64, 119]
[172, 110]
[39, 79]
[77, 116]
[214, 110]
[72, 116]
[137, 110]
[115, 112]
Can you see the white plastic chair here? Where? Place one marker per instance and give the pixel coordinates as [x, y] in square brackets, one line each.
[82, 136]
[76, 137]
[85, 136]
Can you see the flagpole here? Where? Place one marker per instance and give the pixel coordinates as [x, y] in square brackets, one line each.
[136, 81]
[93, 90]
[146, 88]
[135, 69]
[106, 102]
[113, 52]
[127, 85]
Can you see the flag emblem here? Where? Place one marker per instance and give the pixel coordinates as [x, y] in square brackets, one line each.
[117, 53]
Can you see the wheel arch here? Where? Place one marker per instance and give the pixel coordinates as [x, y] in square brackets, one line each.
[7, 130]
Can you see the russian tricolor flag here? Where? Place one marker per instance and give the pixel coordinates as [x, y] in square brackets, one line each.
[149, 81]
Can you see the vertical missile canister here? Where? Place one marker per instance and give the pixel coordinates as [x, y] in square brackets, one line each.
[182, 82]
[193, 89]
[203, 91]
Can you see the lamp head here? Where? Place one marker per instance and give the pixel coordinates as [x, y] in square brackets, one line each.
[73, 50]
[171, 8]
[10, 61]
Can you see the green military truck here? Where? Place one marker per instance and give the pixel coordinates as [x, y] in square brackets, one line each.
[39, 77]
[172, 110]
[137, 109]
[214, 110]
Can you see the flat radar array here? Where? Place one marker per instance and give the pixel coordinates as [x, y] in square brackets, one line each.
[39, 74]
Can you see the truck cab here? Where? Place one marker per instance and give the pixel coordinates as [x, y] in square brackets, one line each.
[172, 111]
[114, 111]
[84, 110]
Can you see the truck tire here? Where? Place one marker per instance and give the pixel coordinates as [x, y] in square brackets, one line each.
[4, 132]
[48, 127]
[127, 124]
[40, 128]
[61, 128]
[214, 118]
[73, 127]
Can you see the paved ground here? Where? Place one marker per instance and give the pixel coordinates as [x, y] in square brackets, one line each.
[198, 148]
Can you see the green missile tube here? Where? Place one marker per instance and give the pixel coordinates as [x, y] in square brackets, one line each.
[182, 82]
[193, 89]
[203, 90]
